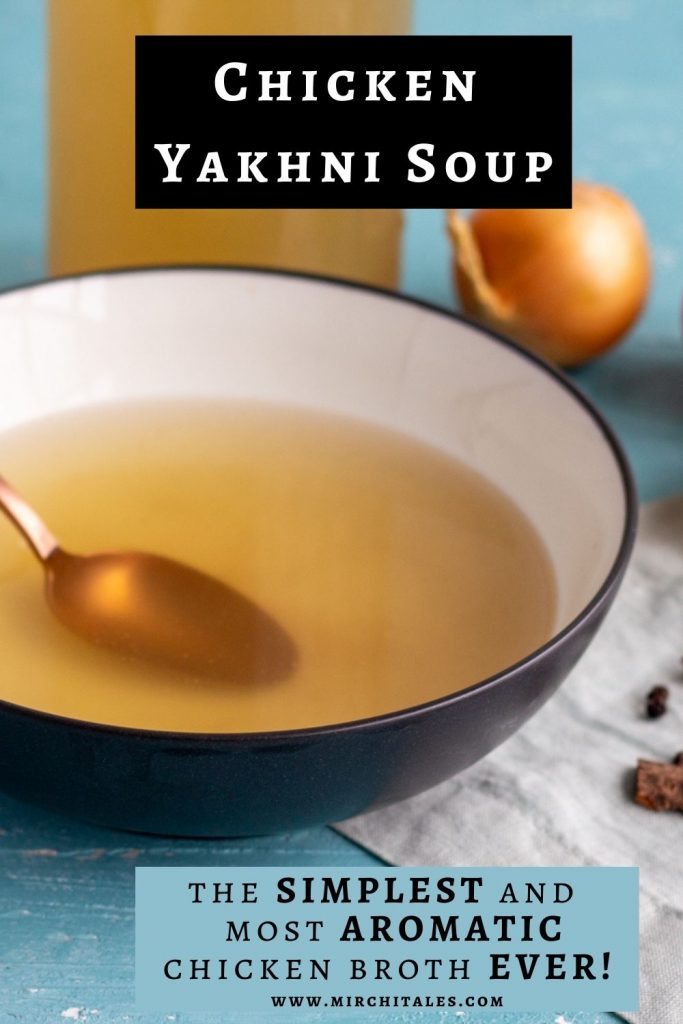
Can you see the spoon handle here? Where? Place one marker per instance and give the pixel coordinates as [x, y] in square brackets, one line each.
[28, 522]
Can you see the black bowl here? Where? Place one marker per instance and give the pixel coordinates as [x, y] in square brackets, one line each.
[348, 349]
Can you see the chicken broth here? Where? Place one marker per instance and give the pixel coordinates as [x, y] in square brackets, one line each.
[398, 573]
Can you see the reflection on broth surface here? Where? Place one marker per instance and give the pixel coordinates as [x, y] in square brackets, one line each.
[399, 574]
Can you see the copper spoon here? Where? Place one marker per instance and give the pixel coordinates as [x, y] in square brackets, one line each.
[151, 607]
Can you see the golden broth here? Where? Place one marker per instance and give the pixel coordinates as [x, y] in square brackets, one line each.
[399, 574]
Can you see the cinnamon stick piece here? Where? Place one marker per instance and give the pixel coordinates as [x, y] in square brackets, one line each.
[659, 786]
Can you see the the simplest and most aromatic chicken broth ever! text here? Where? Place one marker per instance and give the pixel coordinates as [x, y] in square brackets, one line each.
[399, 574]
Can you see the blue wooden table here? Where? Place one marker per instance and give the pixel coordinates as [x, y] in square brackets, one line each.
[66, 890]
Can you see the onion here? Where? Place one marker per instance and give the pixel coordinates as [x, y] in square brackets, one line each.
[565, 283]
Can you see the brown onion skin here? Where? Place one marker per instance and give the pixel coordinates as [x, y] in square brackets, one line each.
[575, 280]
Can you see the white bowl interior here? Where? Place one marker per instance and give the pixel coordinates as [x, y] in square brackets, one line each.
[245, 334]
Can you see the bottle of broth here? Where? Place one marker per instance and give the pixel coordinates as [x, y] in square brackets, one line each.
[93, 222]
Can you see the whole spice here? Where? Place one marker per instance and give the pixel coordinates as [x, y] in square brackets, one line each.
[655, 703]
[659, 787]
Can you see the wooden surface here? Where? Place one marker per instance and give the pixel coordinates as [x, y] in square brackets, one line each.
[66, 890]
[67, 917]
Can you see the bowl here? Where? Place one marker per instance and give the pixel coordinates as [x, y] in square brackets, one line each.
[339, 347]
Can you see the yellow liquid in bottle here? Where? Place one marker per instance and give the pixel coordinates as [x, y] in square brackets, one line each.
[93, 222]
[399, 574]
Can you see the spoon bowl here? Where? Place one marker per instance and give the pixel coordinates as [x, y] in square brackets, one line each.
[154, 608]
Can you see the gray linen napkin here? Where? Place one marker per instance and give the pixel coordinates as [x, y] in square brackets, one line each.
[559, 792]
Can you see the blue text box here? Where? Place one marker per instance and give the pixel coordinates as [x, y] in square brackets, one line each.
[391, 938]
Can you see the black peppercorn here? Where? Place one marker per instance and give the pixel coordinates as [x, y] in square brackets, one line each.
[655, 704]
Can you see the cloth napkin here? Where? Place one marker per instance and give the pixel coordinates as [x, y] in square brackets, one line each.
[560, 792]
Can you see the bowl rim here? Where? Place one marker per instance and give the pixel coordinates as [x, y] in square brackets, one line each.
[402, 715]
